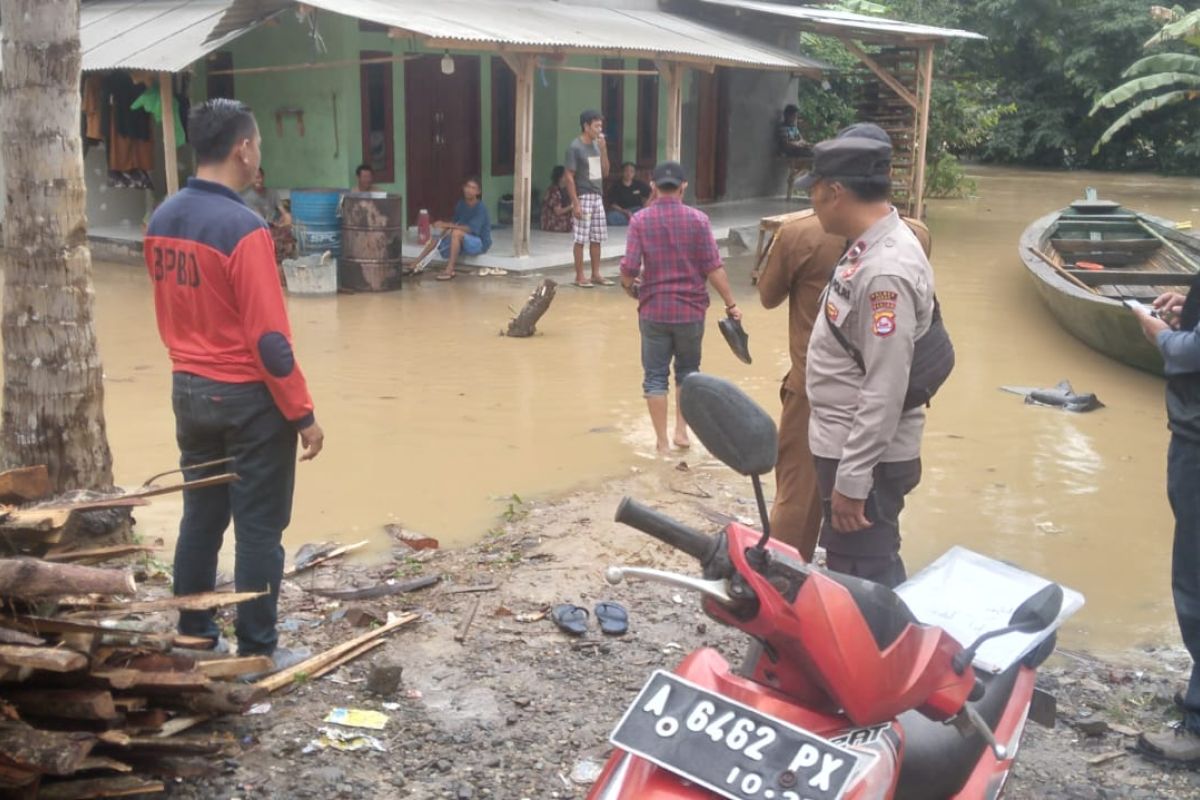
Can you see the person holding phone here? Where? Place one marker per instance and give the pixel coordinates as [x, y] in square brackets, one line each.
[1176, 333]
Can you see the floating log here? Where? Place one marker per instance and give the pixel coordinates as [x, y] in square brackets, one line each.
[46, 752]
[32, 577]
[50, 659]
[525, 323]
[24, 484]
[85, 704]
[307, 667]
[89, 788]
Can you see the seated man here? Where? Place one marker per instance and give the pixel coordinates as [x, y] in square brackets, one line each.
[364, 178]
[268, 205]
[469, 233]
[791, 142]
[627, 196]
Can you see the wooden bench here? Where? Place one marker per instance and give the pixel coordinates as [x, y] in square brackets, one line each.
[772, 225]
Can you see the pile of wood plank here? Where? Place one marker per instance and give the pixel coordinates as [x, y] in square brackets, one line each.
[92, 688]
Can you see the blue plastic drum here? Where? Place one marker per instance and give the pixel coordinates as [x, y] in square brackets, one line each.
[316, 218]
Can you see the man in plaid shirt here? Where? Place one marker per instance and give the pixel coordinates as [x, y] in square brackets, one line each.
[670, 254]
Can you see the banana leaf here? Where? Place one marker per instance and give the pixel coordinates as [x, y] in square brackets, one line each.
[1143, 108]
[1133, 88]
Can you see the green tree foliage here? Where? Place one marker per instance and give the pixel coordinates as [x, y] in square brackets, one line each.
[1156, 82]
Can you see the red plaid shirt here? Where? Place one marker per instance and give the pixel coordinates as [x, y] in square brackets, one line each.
[673, 248]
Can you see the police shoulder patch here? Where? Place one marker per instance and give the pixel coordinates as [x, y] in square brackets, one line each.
[884, 324]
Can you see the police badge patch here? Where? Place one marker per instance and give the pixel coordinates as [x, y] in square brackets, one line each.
[885, 323]
[831, 311]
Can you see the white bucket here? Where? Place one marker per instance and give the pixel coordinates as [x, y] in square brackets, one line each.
[311, 275]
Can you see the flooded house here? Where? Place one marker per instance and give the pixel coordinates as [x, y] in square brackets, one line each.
[428, 94]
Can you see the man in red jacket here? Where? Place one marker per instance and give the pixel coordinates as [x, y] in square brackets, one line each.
[237, 389]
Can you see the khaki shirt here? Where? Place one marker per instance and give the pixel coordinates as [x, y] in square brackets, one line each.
[881, 299]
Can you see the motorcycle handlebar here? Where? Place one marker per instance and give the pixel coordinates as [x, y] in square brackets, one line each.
[696, 544]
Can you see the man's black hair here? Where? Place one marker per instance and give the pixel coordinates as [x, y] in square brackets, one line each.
[215, 126]
[628, 164]
[790, 109]
[875, 189]
[588, 117]
[473, 179]
[361, 168]
[556, 174]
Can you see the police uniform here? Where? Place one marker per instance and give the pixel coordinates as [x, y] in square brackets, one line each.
[798, 270]
[880, 299]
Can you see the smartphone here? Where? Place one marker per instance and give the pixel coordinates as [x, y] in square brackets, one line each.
[1135, 305]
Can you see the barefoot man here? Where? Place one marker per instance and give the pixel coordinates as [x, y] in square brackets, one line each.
[670, 254]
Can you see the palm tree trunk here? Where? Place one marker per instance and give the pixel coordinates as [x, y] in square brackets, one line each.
[53, 396]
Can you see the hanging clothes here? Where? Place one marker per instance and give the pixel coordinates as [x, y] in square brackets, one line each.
[130, 136]
[150, 101]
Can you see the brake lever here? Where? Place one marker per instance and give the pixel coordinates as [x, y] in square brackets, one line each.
[974, 721]
[717, 590]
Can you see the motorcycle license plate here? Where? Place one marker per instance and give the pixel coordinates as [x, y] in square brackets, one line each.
[730, 748]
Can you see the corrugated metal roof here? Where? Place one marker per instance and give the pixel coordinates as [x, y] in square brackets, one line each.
[544, 24]
[157, 35]
[824, 20]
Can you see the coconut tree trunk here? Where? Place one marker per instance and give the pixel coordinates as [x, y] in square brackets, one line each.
[53, 396]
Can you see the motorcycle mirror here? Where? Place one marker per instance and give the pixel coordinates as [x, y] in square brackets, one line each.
[1039, 610]
[730, 424]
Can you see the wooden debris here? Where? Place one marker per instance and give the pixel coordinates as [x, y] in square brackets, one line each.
[24, 484]
[9, 636]
[42, 626]
[235, 667]
[417, 541]
[525, 322]
[461, 634]
[97, 763]
[483, 587]
[217, 698]
[307, 667]
[46, 752]
[85, 789]
[26, 527]
[337, 552]
[137, 497]
[347, 658]
[44, 658]
[152, 682]
[96, 555]
[181, 724]
[193, 642]
[379, 590]
[83, 704]
[32, 578]
[1104, 758]
[151, 720]
[187, 602]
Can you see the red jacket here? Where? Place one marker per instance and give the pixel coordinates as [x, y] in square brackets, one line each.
[220, 308]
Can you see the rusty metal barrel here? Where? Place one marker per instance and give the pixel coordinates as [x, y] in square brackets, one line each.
[372, 239]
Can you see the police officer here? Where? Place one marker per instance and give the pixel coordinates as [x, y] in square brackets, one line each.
[879, 301]
[798, 269]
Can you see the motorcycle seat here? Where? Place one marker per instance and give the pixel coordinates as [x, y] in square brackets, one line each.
[938, 759]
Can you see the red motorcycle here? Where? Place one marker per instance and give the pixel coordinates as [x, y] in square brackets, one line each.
[844, 694]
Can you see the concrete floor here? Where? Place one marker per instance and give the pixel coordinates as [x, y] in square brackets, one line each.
[735, 223]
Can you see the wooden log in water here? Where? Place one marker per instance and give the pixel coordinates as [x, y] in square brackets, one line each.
[525, 323]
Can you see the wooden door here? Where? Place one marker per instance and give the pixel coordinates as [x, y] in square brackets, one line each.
[712, 137]
[442, 121]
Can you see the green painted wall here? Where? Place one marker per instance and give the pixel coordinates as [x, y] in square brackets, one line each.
[332, 143]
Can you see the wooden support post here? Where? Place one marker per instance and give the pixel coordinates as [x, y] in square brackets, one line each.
[170, 146]
[888, 78]
[673, 72]
[925, 76]
[522, 65]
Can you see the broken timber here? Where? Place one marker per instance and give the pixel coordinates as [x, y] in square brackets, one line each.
[525, 323]
[31, 577]
[309, 666]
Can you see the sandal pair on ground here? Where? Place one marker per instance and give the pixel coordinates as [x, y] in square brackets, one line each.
[595, 282]
[572, 619]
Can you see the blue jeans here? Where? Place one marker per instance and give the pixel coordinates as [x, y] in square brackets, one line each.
[240, 420]
[617, 219]
[662, 341]
[472, 245]
[1183, 489]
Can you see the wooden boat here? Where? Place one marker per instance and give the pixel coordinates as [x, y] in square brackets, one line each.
[1087, 258]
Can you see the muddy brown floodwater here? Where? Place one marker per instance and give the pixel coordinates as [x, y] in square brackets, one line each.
[434, 420]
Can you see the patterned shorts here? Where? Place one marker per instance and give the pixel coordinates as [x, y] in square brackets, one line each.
[593, 225]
